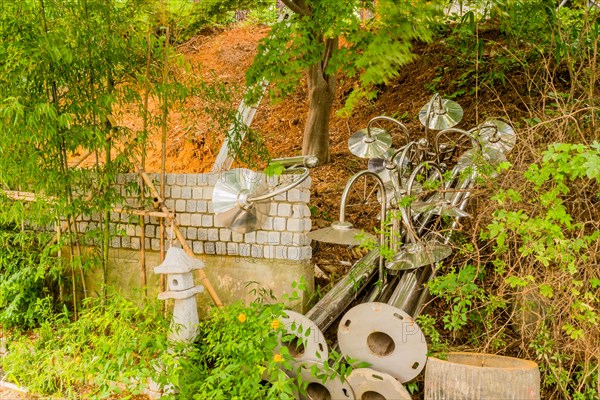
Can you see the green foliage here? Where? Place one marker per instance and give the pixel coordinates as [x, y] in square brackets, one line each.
[467, 301]
[556, 246]
[114, 346]
[520, 34]
[237, 349]
[28, 279]
[117, 348]
[373, 50]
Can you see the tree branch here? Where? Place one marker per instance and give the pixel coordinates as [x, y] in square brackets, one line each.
[331, 45]
[297, 6]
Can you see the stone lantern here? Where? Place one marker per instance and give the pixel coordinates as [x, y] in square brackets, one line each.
[178, 268]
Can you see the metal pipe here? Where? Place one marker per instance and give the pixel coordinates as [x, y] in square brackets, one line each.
[425, 291]
[343, 293]
[283, 188]
[309, 161]
[403, 295]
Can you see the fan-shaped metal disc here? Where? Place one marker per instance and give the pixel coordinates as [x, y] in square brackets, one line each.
[319, 388]
[230, 200]
[500, 135]
[310, 344]
[339, 233]
[415, 255]
[441, 114]
[371, 384]
[364, 146]
[385, 337]
[438, 207]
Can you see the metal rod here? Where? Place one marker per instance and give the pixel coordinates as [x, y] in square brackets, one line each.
[309, 161]
[343, 293]
[395, 121]
[284, 188]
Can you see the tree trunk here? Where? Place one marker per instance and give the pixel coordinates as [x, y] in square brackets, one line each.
[321, 92]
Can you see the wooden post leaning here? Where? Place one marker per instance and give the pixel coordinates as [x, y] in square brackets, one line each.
[203, 278]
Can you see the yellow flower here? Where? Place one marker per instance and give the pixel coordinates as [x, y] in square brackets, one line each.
[277, 358]
[275, 324]
[242, 317]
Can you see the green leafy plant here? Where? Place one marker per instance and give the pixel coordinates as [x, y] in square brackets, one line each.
[554, 274]
[29, 279]
[113, 347]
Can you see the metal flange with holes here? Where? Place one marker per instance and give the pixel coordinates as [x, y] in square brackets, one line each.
[310, 345]
[319, 388]
[385, 337]
[368, 383]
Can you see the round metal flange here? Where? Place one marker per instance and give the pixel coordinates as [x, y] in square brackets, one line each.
[439, 114]
[498, 135]
[370, 143]
[385, 337]
[339, 233]
[333, 388]
[415, 255]
[369, 384]
[310, 344]
[230, 200]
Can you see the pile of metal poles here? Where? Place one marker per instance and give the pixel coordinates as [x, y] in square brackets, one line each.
[423, 186]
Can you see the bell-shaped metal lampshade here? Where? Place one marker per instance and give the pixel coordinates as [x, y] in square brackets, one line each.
[415, 255]
[472, 158]
[439, 114]
[438, 207]
[497, 134]
[370, 142]
[340, 232]
[230, 200]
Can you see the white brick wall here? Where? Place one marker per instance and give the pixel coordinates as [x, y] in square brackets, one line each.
[281, 236]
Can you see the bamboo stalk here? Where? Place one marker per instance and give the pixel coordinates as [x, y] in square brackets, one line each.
[201, 274]
[144, 213]
[143, 274]
[26, 196]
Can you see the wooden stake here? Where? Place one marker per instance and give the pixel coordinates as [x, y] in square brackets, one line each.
[201, 274]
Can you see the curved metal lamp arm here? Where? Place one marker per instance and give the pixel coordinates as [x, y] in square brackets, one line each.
[344, 199]
[346, 192]
[282, 188]
[430, 108]
[406, 211]
[403, 153]
[395, 121]
[470, 134]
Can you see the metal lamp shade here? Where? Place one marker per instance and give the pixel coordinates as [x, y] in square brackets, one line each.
[415, 255]
[497, 134]
[370, 143]
[230, 203]
[439, 114]
[471, 158]
[339, 233]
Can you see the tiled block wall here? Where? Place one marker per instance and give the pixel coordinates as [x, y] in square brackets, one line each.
[281, 236]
